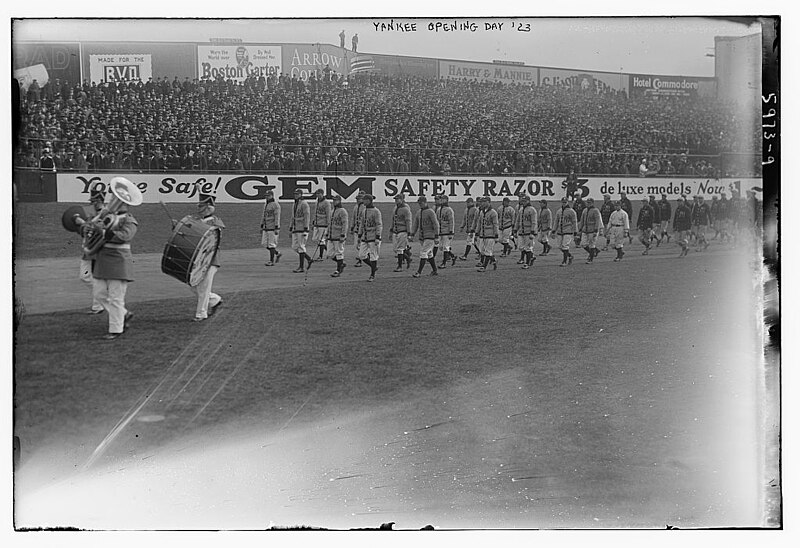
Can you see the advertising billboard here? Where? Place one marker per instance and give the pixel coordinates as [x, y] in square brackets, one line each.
[597, 82]
[303, 60]
[650, 85]
[508, 74]
[244, 188]
[167, 60]
[120, 67]
[237, 62]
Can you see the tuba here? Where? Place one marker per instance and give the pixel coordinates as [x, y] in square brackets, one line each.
[123, 192]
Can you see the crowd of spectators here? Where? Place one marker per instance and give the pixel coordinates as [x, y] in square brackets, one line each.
[378, 124]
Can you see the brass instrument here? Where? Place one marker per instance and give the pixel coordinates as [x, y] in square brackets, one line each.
[123, 192]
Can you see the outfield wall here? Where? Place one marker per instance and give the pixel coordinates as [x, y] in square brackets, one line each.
[232, 188]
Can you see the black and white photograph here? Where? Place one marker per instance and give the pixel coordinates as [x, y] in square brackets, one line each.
[431, 272]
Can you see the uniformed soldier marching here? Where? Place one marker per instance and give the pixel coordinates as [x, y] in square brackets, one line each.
[337, 234]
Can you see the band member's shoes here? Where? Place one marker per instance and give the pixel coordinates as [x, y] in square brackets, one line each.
[278, 257]
[213, 309]
[335, 274]
[604, 248]
[563, 263]
[569, 260]
[398, 269]
[128, 318]
[525, 266]
[308, 267]
[494, 265]
[443, 265]
[462, 258]
[198, 319]
[481, 269]
[646, 252]
[521, 261]
[358, 264]
[453, 261]
[416, 275]
[270, 263]
[92, 311]
[371, 279]
[589, 261]
[434, 273]
[111, 336]
[300, 270]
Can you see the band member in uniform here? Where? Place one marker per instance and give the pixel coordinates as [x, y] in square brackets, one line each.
[606, 209]
[578, 205]
[723, 217]
[591, 224]
[112, 269]
[627, 207]
[337, 234]
[565, 226]
[322, 220]
[370, 235]
[355, 224]
[437, 203]
[506, 219]
[468, 224]
[701, 218]
[645, 225]
[682, 225]
[426, 224]
[270, 228]
[656, 232]
[488, 232]
[618, 229]
[545, 226]
[398, 233]
[447, 228]
[527, 222]
[207, 301]
[479, 217]
[97, 197]
[665, 212]
[299, 227]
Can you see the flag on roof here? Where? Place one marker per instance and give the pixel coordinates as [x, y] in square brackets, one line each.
[361, 63]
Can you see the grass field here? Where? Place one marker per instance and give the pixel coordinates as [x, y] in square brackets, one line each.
[610, 395]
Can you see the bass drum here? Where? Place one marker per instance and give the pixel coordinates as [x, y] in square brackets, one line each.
[189, 251]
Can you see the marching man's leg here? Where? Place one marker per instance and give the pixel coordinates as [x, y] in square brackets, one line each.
[116, 290]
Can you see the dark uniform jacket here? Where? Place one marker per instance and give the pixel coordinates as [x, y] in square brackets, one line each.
[114, 261]
[645, 220]
[683, 218]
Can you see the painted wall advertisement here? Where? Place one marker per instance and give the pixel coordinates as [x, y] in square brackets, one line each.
[303, 60]
[120, 67]
[237, 62]
[596, 82]
[60, 60]
[508, 74]
[243, 188]
[648, 85]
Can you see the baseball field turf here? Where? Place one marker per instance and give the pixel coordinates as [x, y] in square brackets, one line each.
[611, 395]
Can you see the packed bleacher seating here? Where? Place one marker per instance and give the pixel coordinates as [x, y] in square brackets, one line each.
[377, 124]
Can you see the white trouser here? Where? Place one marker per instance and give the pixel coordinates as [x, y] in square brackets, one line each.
[205, 296]
[111, 295]
[86, 277]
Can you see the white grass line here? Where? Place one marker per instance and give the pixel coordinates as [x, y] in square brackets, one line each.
[230, 376]
[298, 410]
[209, 356]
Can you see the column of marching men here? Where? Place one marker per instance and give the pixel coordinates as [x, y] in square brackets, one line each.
[576, 223]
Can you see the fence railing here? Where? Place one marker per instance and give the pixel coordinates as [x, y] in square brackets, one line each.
[150, 157]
